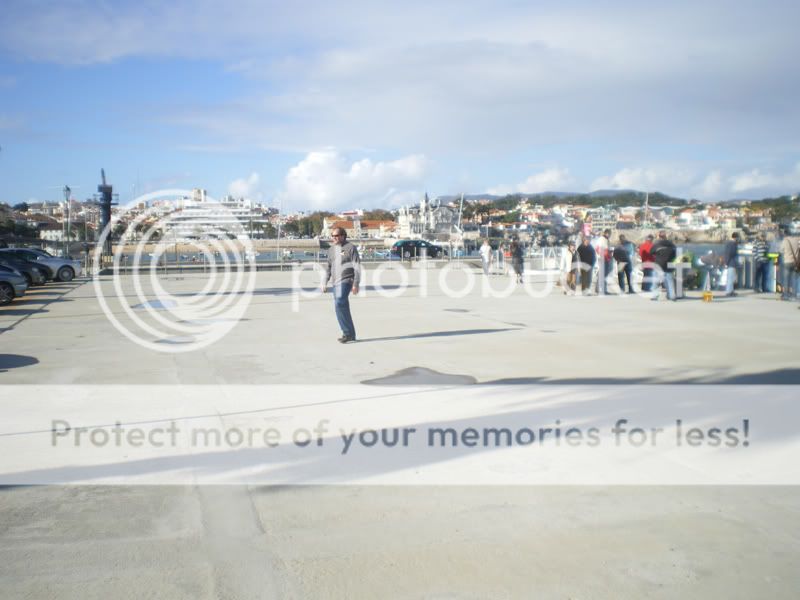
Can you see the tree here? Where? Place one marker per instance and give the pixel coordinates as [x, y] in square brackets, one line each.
[468, 212]
[21, 207]
[25, 230]
[291, 227]
[310, 225]
[378, 214]
[7, 225]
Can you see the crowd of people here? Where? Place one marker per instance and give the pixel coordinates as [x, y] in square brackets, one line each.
[587, 264]
[589, 259]
[596, 260]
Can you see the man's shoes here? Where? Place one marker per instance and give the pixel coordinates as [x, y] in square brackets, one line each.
[345, 338]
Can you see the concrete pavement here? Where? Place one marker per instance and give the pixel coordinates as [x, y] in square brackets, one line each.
[400, 541]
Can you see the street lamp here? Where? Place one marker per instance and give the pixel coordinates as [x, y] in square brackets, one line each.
[66, 234]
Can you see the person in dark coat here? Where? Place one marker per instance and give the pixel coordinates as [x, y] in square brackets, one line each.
[517, 260]
[587, 257]
[731, 259]
[664, 252]
[623, 255]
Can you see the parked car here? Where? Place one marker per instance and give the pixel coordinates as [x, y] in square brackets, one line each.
[416, 248]
[65, 269]
[12, 285]
[34, 273]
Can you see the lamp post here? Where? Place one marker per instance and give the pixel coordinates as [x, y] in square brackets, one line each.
[278, 244]
[68, 231]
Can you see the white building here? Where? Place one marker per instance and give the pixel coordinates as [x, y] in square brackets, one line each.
[198, 217]
[430, 219]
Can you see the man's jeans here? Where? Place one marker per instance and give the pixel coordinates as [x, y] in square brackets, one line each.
[647, 276]
[789, 279]
[729, 279]
[341, 299]
[606, 269]
[624, 272]
[664, 277]
[760, 282]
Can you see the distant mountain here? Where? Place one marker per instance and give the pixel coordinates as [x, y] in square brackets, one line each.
[630, 195]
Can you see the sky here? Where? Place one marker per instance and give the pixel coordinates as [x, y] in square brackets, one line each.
[313, 105]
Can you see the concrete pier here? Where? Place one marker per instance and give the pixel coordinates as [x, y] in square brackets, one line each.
[362, 541]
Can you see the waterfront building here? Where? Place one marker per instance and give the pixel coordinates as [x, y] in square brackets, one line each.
[429, 219]
[198, 217]
[359, 229]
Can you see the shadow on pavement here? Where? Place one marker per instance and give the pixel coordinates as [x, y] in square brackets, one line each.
[414, 336]
[15, 361]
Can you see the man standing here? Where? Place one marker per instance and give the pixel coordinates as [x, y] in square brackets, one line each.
[517, 260]
[587, 257]
[569, 264]
[790, 267]
[761, 263]
[664, 252]
[647, 260]
[730, 259]
[603, 251]
[486, 256]
[623, 255]
[343, 269]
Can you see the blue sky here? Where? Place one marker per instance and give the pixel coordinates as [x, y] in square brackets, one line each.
[357, 104]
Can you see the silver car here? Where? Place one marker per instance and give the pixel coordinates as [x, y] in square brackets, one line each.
[12, 285]
[64, 269]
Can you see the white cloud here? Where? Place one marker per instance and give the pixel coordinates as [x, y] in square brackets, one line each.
[246, 187]
[326, 180]
[476, 79]
[715, 185]
[711, 186]
[503, 73]
[551, 180]
[756, 180]
[668, 179]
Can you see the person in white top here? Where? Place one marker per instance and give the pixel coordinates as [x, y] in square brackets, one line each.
[486, 256]
[569, 261]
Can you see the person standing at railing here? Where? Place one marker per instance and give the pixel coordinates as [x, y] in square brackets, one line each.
[603, 250]
[647, 259]
[790, 256]
[623, 254]
[730, 258]
[569, 268]
[664, 252]
[486, 256]
[761, 263]
[587, 258]
[517, 260]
